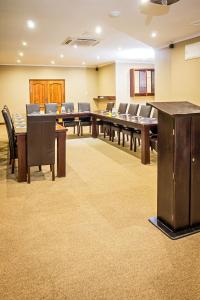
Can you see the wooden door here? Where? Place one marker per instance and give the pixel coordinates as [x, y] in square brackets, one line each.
[47, 91]
[38, 92]
[56, 91]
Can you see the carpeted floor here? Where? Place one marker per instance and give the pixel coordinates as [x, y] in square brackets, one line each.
[87, 236]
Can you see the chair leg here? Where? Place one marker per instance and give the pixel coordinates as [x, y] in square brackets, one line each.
[131, 142]
[51, 168]
[135, 146]
[127, 137]
[138, 142]
[81, 130]
[12, 165]
[40, 168]
[112, 135]
[74, 129]
[90, 128]
[78, 129]
[53, 172]
[29, 175]
[123, 139]
[119, 135]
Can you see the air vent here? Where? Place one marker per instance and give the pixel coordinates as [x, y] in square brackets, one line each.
[81, 42]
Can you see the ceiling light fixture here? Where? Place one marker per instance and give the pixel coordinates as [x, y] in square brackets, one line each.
[115, 13]
[52, 62]
[83, 63]
[75, 46]
[98, 57]
[30, 24]
[119, 49]
[145, 1]
[24, 43]
[21, 54]
[154, 34]
[61, 55]
[164, 2]
[18, 61]
[98, 29]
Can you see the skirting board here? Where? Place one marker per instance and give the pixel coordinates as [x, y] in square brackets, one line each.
[172, 234]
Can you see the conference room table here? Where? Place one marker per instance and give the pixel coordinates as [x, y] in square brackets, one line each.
[134, 122]
[21, 133]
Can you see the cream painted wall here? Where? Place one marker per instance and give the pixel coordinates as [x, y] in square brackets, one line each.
[176, 78]
[123, 83]
[80, 84]
[106, 84]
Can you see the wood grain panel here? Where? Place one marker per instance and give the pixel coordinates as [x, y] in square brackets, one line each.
[195, 172]
[38, 91]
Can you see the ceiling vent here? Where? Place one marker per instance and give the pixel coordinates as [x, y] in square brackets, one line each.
[164, 2]
[81, 42]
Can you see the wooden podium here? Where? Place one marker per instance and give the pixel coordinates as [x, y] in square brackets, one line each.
[178, 175]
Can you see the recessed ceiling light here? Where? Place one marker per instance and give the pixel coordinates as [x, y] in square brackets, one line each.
[98, 30]
[144, 1]
[154, 34]
[52, 62]
[98, 57]
[115, 13]
[18, 61]
[83, 63]
[119, 48]
[75, 46]
[24, 43]
[21, 54]
[31, 24]
[61, 55]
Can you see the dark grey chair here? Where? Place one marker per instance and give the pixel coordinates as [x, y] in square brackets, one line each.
[11, 139]
[50, 108]
[122, 108]
[132, 110]
[9, 115]
[41, 142]
[69, 121]
[145, 112]
[32, 109]
[110, 106]
[117, 128]
[84, 121]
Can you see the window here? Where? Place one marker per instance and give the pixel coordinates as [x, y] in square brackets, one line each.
[142, 82]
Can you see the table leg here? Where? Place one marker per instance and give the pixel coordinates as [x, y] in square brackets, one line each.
[61, 154]
[22, 161]
[145, 145]
[94, 127]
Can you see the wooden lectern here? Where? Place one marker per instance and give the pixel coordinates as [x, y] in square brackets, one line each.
[178, 190]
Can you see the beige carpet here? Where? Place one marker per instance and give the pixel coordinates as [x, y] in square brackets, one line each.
[87, 236]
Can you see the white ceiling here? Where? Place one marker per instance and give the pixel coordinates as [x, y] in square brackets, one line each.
[58, 19]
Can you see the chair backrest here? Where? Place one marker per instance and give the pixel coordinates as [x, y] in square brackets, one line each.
[132, 110]
[40, 140]
[122, 108]
[68, 107]
[32, 109]
[51, 108]
[10, 132]
[110, 106]
[145, 111]
[155, 113]
[9, 115]
[83, 106]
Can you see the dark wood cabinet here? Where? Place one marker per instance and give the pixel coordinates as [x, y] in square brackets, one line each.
[178, 190]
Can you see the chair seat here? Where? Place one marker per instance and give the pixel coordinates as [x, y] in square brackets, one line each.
[128, 131]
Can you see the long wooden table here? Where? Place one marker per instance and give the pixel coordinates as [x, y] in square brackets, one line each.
[143, 124]
[20, 132]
